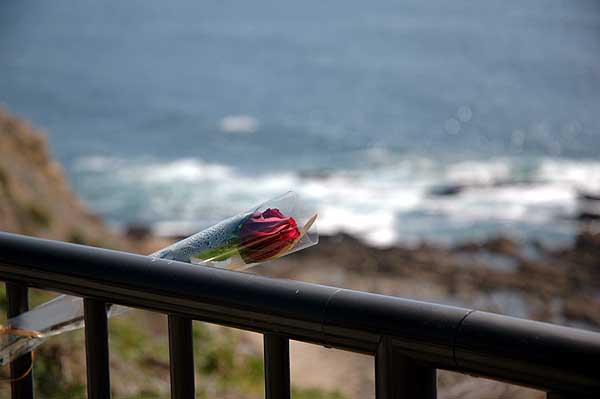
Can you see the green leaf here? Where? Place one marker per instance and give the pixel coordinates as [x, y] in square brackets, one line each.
[221, 253]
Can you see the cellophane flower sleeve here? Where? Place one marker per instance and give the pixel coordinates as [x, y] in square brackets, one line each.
[266, 232]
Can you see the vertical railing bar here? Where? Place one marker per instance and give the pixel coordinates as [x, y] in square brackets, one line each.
[277, 366]
[96, 349]
[181, 354]
[397, 376]
[21, 385]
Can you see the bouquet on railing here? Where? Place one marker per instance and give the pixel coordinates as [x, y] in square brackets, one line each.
[266, 232]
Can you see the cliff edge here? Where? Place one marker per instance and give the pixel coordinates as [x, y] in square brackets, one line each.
[35, 198]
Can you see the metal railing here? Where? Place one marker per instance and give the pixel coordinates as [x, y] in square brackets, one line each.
[409, 339]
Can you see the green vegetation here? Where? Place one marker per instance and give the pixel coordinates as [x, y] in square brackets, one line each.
[312, 393]
[50, 370]
[219, 360]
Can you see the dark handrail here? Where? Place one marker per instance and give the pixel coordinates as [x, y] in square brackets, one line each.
[539, 355]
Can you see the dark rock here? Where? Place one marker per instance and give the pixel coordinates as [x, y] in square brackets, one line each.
[447, 190]
[588, 196]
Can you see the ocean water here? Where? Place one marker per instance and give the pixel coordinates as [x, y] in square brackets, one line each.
[178, 115]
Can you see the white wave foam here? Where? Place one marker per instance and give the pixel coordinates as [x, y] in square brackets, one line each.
[383, 204]
[187, 170]
[177, 171]
[579, 174]
[479, 172]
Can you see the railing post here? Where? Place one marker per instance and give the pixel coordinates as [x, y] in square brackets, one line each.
[277, 366]
[21, 387]
[399, 377]
[181, 355]
[96, 349]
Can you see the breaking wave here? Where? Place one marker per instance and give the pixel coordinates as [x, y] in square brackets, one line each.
[408, 200]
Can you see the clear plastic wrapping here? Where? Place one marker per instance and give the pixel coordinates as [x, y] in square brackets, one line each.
[266, 232]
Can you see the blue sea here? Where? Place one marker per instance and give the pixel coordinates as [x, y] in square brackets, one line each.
[179, 114]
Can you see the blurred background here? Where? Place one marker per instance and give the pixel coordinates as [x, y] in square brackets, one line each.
[451, 148]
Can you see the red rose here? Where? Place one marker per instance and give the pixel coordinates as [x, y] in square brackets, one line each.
[265, 235]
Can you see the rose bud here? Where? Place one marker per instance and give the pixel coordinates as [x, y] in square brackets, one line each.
[265, 235]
